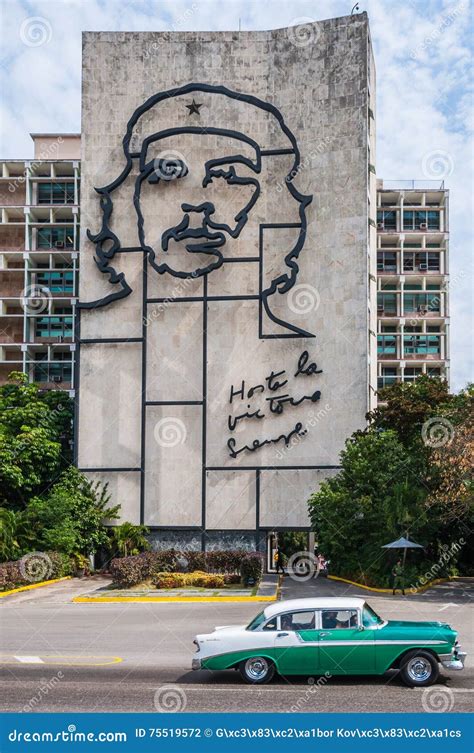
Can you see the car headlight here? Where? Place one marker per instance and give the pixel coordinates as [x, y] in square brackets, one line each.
[196, 643]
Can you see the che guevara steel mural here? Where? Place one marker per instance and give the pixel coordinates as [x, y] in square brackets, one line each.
[201, 240]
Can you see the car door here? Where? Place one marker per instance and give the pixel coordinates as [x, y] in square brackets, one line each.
[345, 645]
[296, 643]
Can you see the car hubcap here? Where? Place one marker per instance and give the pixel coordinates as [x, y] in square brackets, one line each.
[419, 669]
[257, 668]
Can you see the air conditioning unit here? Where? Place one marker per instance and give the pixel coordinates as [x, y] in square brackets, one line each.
[380, 308]
[423, 267]
[380, 226]
[422, 309]
[59, 244]
[56, 378]
[423, 226]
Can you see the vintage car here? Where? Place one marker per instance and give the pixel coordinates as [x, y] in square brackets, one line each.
[333, 636]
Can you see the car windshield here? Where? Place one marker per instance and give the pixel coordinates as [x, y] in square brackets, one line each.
[256, 622]
[369, 617]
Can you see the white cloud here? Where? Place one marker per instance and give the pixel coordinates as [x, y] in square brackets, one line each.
[422, 58]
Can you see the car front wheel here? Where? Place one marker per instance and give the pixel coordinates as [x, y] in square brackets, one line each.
[257, 670]
[419, 669]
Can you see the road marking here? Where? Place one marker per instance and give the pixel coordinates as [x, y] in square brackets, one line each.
[71, 661]
[446, 606]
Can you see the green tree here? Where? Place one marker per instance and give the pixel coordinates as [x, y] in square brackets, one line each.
[70, 517]
[365, 505]
[408, 473]
[16, 534]
[35, 438]
[128, 539]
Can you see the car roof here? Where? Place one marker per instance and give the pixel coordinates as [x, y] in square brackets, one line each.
[323, 602]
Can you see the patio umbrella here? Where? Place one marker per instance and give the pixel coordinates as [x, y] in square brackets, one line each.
[404, 544]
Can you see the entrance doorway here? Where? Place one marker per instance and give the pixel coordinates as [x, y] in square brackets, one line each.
[289, 542]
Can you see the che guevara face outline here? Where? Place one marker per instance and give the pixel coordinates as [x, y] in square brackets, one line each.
[199, 229]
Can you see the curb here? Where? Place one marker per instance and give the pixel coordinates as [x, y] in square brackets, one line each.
[33, 585]
[389, 590]
[197, 599]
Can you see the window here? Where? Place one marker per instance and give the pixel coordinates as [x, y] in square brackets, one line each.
[257, 621]
[387, 261]
[57, 282]
[420, 219]
[388, 219]
[388, 377]
[387, 303]
[340, 619]
[386, 345]
[55, 237]
[370, 618]
[53, 326]
[297, 621]
[421, 344]
[56, 193]
[410, 374]
[49, 371]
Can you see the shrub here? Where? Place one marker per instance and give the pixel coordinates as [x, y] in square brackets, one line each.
[129, 571]
[180, 580]
[251, 567]
[207, 580]
[10, 575]
[169, 580]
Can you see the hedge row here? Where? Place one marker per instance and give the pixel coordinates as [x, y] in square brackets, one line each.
[33, 568]
[182, 580]
[129, 571]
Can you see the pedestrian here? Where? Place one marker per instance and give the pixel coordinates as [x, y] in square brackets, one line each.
[398, 582]
[278, 558]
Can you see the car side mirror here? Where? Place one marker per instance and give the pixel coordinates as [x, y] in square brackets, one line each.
[360, 628]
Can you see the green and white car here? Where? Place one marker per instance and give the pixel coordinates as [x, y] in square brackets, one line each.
[337, 636]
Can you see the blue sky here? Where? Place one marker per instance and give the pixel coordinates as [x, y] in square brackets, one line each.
[423, 54]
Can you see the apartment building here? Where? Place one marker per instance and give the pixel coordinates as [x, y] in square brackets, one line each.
[39, 261]
[412, 280]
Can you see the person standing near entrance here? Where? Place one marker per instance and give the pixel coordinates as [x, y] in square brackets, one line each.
[278, 559]
[398, 579]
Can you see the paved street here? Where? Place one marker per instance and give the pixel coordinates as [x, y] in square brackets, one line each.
[60, 656]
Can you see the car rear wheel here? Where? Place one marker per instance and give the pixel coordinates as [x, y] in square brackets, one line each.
[257, 670]
[418, 669]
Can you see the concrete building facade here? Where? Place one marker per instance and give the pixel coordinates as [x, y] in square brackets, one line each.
[228, 273]
[39, 261]
[413, 273]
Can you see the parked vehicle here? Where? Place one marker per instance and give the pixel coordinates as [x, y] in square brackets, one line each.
[340, 636]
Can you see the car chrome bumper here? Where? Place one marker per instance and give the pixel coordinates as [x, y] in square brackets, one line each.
[196, 664]
[455, 661]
